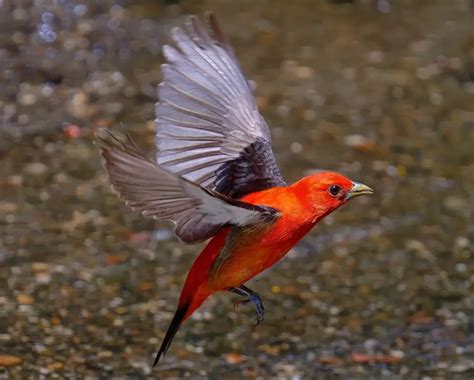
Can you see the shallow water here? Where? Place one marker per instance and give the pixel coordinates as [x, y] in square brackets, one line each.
[381, 91]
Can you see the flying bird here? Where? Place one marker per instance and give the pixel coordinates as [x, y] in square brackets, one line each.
[215, 175]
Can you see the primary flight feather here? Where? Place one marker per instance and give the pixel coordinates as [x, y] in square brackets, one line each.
[215, 174]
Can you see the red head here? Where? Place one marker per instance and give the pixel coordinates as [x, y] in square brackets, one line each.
[326, 191]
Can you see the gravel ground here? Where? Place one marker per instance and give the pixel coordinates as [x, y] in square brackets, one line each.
[382, 91]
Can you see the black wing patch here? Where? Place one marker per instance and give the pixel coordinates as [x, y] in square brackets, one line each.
[254, 169]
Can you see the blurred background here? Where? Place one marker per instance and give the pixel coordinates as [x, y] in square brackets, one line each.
[380, 90]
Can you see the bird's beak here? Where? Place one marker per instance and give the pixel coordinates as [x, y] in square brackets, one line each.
[358, 189]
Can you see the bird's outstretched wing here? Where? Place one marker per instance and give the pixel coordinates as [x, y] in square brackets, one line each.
[147, 187]
[209, 130]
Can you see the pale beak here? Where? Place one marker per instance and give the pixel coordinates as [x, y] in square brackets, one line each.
[359, 189]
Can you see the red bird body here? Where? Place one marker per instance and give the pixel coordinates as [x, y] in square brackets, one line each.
[249, 251]
[215, 175]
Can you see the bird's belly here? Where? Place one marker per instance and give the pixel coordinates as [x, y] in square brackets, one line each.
[247, 260]
[249, 252]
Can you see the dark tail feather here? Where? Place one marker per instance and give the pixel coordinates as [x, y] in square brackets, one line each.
[172, 329]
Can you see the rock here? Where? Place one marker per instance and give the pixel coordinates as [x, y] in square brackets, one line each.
[36, 169]
[454, 203]
[27, 99]
[359, 142]
[235, 358]
[304, 72]
[24, 299]
[56, 366]
[462, 366]
[331, 360]
[362, 358]
[39, 267]
[9, 360]
[72, 131]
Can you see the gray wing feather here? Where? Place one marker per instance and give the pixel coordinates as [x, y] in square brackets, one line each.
[207, 119]
[147, 187]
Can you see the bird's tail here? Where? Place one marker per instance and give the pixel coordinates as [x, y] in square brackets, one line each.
[195, 290]
[184, 311]
[176, 322]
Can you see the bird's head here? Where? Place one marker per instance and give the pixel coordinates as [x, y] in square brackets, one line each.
[326, 191]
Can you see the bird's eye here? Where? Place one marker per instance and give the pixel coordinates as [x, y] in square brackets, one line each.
[334, 190]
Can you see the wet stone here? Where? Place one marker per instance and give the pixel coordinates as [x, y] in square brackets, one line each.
[380, 289]
[36, 169]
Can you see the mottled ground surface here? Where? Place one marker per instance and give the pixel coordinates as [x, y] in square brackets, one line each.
[381, 91]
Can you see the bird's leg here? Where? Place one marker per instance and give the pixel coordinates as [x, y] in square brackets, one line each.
[250, 296]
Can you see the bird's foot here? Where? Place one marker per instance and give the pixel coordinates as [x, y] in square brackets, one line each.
[257, 301]
[250, 296]
[255, 298]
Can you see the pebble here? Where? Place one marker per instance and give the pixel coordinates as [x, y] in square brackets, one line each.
[304, 72]
[359, 142]
[24, 299]
[72, 131]
[56, 366]
[37, 169]
[454, 203]
[27, 99]
[235, 358]
[40, 267]
[9, 360]
[462, 366]
[43, 278]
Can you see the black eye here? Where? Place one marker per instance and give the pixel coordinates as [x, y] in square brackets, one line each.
[334, 190]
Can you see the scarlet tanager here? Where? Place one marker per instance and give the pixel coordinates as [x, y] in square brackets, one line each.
[215, 175]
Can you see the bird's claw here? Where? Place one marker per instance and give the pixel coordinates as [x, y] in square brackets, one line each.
[238, 303]
[253, 297]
